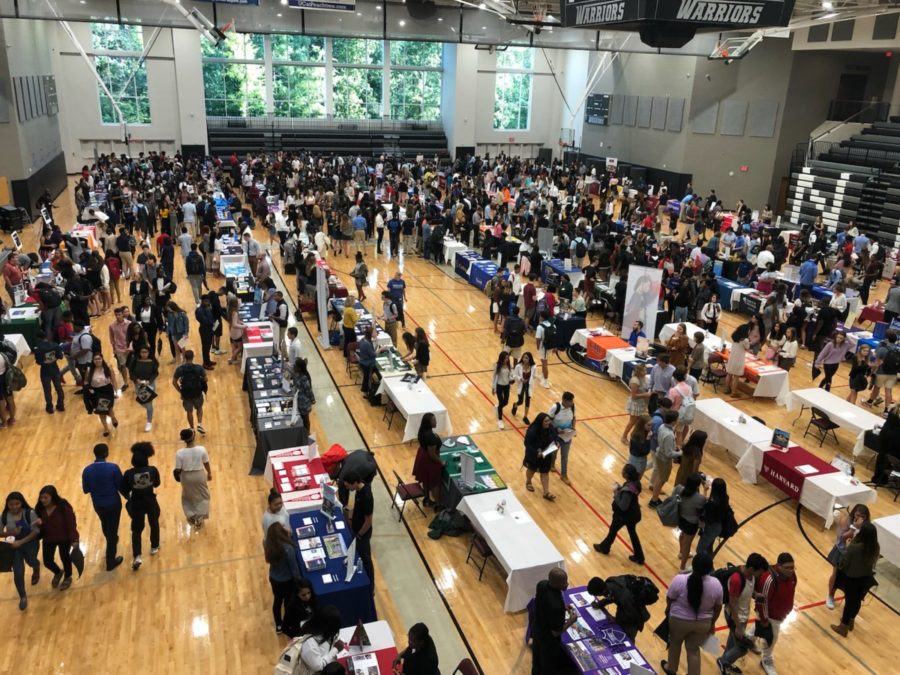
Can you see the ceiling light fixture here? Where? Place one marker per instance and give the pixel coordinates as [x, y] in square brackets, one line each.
[826, 4]
[830, 15]
[440, 18]
[482, 6]
[402, 22]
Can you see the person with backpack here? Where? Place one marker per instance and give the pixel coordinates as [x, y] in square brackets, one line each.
[193, 471]
[513, 335]
[626, 512]
[683, 397]
[630, 594]
[737, 584]
[20, 522]
[189, 380]
[887, 366]
[666, 452]
[195, 268]
[47, 354]
[775, 591]
[82, 350]
[563, 415]
[137, 487]
[545, 335]
[578, 249]
[693, 605]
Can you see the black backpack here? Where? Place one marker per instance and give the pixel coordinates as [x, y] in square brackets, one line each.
[515, 332]
[193, 264]
[891, 363]
[548, 341]
[723, 574]
[192, 382]
[580, 248]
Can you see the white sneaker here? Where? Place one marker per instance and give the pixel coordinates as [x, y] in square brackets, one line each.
[829, 602]
[500, 424]
[768, 668]
[546, 384]
[136, 564]
[148, 426]
[154, 551]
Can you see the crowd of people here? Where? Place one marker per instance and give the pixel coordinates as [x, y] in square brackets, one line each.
[158, 206]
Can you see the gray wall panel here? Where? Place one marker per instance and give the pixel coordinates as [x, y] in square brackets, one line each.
[733, 120]
[704, 121]
[629, 116]
[761, 119]
[658, 112]
[616, 109]
[675, 114]
[644, 110]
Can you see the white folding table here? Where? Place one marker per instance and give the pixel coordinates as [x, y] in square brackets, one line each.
[851, 417]
[721, 422]
[414, 401]
[520, 546]
[889, 537]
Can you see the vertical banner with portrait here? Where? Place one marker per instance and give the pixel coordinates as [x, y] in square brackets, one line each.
[641, 299]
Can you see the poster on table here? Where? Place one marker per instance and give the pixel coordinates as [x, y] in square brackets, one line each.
[641, 299]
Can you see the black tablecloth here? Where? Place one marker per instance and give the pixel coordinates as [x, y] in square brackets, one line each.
[566, 327]
[280, 435]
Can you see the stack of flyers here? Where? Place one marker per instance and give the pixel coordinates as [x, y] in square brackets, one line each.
[582, 656]
[580, 630]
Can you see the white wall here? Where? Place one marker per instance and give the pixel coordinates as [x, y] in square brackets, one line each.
[175, 83]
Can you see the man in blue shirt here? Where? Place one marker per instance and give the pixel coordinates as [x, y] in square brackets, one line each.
[809, 270]
[393, 227]
[860, 242]
[397, 289]
[359, 233]
[102, 480]
[637, 331]
[661, 375]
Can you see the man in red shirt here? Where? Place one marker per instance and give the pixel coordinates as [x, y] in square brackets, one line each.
[528, 297]
[774, 601]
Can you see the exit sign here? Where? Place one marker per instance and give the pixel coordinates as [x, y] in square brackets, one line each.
[744, 168]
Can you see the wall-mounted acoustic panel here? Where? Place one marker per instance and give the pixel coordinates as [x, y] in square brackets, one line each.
[616, 109]
[629, 117]
[658, 112]
[20, 99]
[704, 121]
[50, 88]
[733, 120]
[644, 110]
[761, 119]
[675, 114]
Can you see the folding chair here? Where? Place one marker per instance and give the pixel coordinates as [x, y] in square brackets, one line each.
[408, 492]
[823, 426]
[465, 667]
[480, 546]
[389, 411]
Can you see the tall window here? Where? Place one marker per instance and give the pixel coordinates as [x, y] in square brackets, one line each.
[117, 50]
[416, 80]
[298, 76]
[357, 77]
[512, 97]
[234, 78]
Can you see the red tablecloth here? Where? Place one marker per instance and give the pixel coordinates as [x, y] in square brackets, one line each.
[284, 471]
[598, 345]
[256, 334]
[780, 469]
[754, 366]
[385, 660]
[871, 313]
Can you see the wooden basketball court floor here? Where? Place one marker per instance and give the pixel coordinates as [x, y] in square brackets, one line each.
[202, 605]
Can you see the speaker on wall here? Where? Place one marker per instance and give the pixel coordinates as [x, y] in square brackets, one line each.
[421, 9]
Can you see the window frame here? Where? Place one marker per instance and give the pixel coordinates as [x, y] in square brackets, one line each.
[121, 55]
[514, 72]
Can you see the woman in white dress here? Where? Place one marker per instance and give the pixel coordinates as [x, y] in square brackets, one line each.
[192, 470]
[735, 365]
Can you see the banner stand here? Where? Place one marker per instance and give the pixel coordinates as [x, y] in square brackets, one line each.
[322, 305]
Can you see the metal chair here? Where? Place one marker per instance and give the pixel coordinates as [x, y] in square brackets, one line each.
[407, 492]
[715, 371]
[465, 667]
[353, 360]
[823, 426]
[389, 411]
[479, 545]
[892, 470]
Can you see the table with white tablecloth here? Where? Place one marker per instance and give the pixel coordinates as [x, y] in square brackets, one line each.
[851, 417]
[721, 422]
[889, 537]
[20, 343]
[451, 246]
[820, 494]
[616, 360]
[580, 337]
[520, 546]
[736, 296]
[414, 400]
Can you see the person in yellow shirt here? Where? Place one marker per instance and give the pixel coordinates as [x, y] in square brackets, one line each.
[349, 321]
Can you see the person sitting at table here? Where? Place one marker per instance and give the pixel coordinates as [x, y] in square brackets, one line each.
[839, 301]
[578, 305]
[551, 619]
[321, 643]
[420, 657]
[774, 341]
[301, 607]
[539, 437]
[637, 331]
[428, 467]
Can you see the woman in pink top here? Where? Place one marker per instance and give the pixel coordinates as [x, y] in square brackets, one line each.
[693, 604]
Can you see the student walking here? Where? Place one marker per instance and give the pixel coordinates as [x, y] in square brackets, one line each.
[144, 370]
[102, 481]
[563, 415]
[189, 380]
[100, 391]
[192, 470]
[539, 455]
[738, 585]
[360, 275]
[59, 531]
[855, 575]
[626, 512]
[639, 393]
[694, 602]
[524, 377]
[775, 601]
[138, 484]
[47, 354]
[20, 522]
[500, 384]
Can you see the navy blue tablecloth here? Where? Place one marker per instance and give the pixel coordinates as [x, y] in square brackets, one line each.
[726, 287]
[463, 258]
[566, 325]
[481, 273]
[353, 599]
